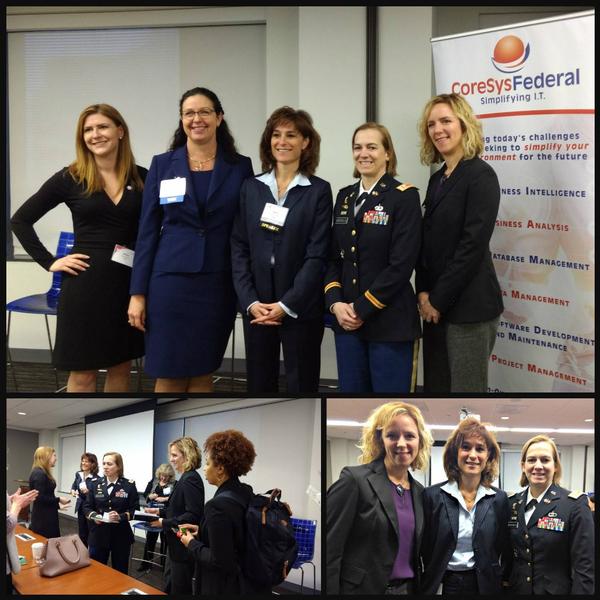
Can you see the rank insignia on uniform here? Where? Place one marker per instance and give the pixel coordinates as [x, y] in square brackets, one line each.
[374, 193]
[382, 185]
[342, 253]
[404, 186]
[553, 492]
[546, 501]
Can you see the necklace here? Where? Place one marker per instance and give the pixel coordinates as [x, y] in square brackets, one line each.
[198, 163]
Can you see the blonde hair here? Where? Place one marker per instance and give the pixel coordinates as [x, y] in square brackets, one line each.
[468, 427]
[190, 450]
[472, 138]
[557, 466]
[41, 459]
[118, 461]
[165, 470]
[386, 140]
[371, 441]
[84, 170]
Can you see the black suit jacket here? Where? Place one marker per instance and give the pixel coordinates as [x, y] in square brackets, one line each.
[186, 505]
[300, 248]
[558, 561]
[490, 538]
[221, 541]
[455, 265]
[362, 530]
[373, 257]
[75, 486]
[44, 511]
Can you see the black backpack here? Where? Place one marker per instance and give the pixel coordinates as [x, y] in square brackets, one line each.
[270, 547]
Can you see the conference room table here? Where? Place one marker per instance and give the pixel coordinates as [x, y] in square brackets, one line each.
[95, 579]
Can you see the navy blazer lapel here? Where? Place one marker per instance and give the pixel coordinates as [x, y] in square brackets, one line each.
[482, 507]
[295, 194]
[219, 175]
[379, 481]
[452, 509]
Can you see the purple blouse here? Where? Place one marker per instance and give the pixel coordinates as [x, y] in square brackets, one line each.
[403, 565]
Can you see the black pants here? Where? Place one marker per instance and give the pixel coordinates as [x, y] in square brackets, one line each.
[181, 577]
[83, 523]
[460, 582]
[301, 343]
[119, 555]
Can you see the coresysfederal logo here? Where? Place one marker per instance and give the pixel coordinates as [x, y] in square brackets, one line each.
[510, 54]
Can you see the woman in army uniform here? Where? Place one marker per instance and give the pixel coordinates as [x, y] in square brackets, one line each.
[109, 505]
[375, 245]
[551, 529]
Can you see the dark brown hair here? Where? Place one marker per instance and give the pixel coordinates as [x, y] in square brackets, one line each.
[231, 450]
[466, 428]
[302, 121]
[93, 460]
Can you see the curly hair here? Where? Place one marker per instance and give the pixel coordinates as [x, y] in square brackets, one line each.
[386, 140]
[93, 460]
[302, 121]
[468, 427]
[41, 459]
[166, 470]
[231, 450]
[225, 141]
[371, 441]
[557, 466]
[84, 170]
[190, 450]
[472, 138]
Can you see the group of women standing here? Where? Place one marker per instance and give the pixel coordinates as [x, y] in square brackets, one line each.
[211, 239]
[212, 547]
[386, 534]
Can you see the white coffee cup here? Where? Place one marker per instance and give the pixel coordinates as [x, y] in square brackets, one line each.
[38, 550]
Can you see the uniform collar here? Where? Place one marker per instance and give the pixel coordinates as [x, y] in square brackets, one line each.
[539, 498]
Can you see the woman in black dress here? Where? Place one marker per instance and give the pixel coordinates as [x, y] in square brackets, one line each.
[44, 514]
[103, 189]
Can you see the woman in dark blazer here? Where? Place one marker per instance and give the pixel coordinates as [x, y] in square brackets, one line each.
[186, 505]
[44, 511]
[458, 292]
[376, 240]
[279, 250]
[374, 511]
[218, 543]
[551, 529]
[466, 533]
[181, 286]
[79, 489]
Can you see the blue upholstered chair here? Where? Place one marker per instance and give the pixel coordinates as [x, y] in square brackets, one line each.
[304, 532]
[40, 304]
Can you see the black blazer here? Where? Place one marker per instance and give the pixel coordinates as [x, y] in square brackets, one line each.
[186, 505]
[362, 530]
[124, 499]
[221, 541]
[75, 486]
[373, 257]
[44, 513]
[178, 237]
[455, 265]
[300, 248]
[558, 561]
[490, 538]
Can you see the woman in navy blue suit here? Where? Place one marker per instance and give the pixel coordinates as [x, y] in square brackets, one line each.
[79, 489]
[279, 249]
[182, 293]
[466, 532]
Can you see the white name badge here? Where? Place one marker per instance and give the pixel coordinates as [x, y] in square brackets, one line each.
[273, 214]
[172, 190]
[167, 490]
[105, 518]
[123, 255]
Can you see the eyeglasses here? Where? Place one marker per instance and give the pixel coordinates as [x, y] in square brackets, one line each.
[188, 115]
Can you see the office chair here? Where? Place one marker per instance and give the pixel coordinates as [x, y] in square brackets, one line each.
[304, 532]
[40, 304]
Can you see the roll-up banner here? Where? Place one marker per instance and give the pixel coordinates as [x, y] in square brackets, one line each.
[532, 86]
